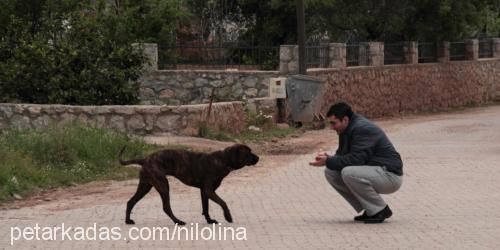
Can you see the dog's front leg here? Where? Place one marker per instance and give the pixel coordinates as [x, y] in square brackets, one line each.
[213, 196]
[161, 185]
[204, 204]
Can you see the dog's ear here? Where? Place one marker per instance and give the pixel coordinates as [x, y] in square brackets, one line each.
[240, 155]
[231, 153]
[235, 156]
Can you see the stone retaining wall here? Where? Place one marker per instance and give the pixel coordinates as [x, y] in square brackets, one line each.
[181, 87]
[401, 89]
[139, 120]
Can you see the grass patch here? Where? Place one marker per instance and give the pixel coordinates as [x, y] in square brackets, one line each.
[61, 156]
[249, 136]
[267, 132]
[261, 121]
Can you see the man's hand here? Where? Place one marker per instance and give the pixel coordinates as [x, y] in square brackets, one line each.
[320, 154]
[319, 160]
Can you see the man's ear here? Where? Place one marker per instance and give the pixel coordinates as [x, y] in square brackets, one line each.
[346, 119]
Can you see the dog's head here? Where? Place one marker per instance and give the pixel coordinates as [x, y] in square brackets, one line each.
[240, 155]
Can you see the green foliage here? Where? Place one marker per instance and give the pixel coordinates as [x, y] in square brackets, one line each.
[206, 132]
[259, 119]
[31, 160]
[78, 52]
[404, 20]
[274, 22]
[203, 129]
[93, 71]
[152, 21]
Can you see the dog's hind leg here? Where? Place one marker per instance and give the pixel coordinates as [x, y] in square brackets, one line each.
[142, 189]
[204, 203]
[160, 183]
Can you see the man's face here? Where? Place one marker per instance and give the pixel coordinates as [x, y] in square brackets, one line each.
[338, 125]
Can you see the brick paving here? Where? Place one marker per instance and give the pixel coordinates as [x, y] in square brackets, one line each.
[450, 198]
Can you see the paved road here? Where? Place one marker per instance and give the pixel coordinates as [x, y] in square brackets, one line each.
[450, 199]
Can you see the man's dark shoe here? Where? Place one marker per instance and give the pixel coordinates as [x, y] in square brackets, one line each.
[361, 217]
[379, 217]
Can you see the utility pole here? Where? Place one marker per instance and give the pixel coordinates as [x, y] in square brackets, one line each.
[301, 32]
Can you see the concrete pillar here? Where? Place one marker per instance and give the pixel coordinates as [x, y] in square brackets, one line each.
[289, 59]
[371, 53]
[337, 55]
[496, 47]
[471, 49]
[151, 52]
[443, 51]
[411, 53]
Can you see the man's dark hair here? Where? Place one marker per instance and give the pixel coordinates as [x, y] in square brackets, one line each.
[340, 110]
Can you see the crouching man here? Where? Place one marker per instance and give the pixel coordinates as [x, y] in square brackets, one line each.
[365, 165]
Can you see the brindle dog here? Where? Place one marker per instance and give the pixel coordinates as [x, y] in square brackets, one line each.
[202, 170]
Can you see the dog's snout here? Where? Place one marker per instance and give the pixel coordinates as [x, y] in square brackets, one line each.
[255, 159]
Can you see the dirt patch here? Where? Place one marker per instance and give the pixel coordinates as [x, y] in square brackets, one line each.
[273, 153]
[305, 143]
[56, 194]
[302, 142]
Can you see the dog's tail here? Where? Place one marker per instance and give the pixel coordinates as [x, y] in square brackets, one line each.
[125, 162]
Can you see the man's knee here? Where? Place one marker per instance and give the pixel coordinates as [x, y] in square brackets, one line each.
[350, 173]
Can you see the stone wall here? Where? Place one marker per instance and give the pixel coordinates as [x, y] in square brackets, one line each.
[140, 120]
[180, 87]
[401, 89]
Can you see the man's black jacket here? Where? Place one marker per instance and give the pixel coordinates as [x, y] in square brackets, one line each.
[364, 143]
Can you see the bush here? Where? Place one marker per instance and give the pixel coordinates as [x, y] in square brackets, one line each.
[75, 58]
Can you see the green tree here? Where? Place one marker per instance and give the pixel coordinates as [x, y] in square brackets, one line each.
[274, 21]
[68, 52]
[393, 20]
[148, 20]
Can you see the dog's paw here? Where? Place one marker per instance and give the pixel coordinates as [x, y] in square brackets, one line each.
[228, 218]
[130, 222]
[210, 221]
[180, 223]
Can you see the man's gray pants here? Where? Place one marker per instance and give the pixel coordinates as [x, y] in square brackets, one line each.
[361, 186]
